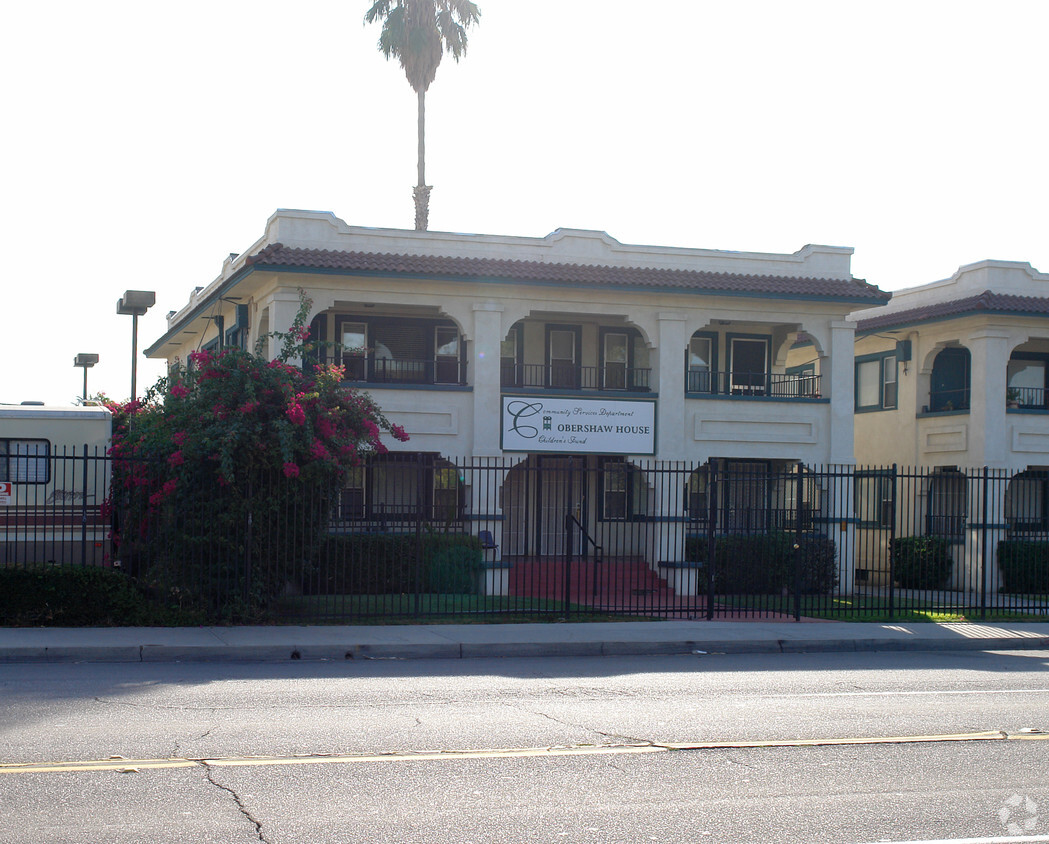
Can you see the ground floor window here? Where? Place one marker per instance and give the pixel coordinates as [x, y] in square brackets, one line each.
[25, 461]
[396, 490]
[1026, 501]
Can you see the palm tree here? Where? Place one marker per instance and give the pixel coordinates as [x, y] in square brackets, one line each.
[418, 33]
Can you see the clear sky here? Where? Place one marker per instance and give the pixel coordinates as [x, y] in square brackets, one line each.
[143, 142]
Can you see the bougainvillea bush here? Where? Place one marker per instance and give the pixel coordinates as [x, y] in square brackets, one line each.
[226, 474]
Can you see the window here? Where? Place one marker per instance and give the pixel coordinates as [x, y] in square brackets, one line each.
[25, 461]
[950, 380]
[510, 358]
[351, 503]
[622, 491]
[355, 350]
[888, 382]
[749, 366]
[624, 362]
[562, 357]
[615, 359]
[744, 497]
[697, 500]
[876, 382]
[446, 354]
[1025, 501]
[948, 505]
[701, 365]
[874, 507]
[393, 491]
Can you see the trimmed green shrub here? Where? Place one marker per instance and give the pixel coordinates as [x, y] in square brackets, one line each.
[453, 570]
[921, 562]
[763, 564]
[71, 596]
[1024, 564]
[388, 563]
[819, 564]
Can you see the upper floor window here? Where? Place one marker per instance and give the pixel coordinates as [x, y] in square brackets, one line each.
[876, 382]
[749, 365]
[701, 364]
[25, 461]
[949, 387]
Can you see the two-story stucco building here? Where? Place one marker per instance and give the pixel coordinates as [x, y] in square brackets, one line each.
[952, 376]
[566, 353]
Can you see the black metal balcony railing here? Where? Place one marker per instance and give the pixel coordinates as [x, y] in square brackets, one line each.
[387, 371]
[754, 384]
[1030, 397]
[572, 377]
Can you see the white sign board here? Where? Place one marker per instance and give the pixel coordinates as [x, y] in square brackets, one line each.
[5, 494]
[578, 426]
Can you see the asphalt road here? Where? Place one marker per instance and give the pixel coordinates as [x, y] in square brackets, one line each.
[606, 749]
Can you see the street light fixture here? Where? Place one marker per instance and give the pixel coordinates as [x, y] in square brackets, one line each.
[86, 360]
[135, 303]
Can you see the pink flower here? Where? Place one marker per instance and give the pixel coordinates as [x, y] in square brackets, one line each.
[179, 438]
[399, 433]
[319, 451]
[180, 391]
[177, 459]
[296, 414]
[291, 470]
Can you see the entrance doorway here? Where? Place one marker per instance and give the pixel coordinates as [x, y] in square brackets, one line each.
[538, 494]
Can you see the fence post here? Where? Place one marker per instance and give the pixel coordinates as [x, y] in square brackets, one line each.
[797, 543]
[712, 517]
[983, 547]
[83, 509]
[892, 543]
[420, 569]
[568, 562]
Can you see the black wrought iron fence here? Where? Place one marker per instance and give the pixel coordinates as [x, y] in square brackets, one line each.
[415, 536]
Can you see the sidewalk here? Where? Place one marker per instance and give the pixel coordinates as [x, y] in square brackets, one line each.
[461, 641]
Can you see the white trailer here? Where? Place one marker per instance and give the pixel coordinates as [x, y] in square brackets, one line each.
[54, 480]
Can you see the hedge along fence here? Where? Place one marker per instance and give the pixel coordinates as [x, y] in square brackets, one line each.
[71, 596]
[389, 564]
[921, 562]
[1024, 565]
[763, 564]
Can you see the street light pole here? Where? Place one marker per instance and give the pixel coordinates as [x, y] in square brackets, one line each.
[85, 360]
[135, 303]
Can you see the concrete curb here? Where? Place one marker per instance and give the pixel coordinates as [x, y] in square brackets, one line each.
[334, 652]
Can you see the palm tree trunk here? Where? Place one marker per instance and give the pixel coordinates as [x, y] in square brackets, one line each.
[422, 190]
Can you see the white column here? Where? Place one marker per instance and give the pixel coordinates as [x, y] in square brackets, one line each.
[989, 349]
[484, 358]
[283, 307]
[670, 422]
[842, 388]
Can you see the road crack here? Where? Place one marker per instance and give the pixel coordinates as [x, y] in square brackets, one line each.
[208, 770]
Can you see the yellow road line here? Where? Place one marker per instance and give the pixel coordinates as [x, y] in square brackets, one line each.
[138, 765]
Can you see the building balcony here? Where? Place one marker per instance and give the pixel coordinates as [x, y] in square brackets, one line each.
[370, 370]
[616, 377]
[763, 384]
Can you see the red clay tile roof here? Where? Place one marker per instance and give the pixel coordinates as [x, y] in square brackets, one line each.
[986, 302]
[279, 257]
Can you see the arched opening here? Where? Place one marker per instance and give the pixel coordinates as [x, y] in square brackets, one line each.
[949, 385]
